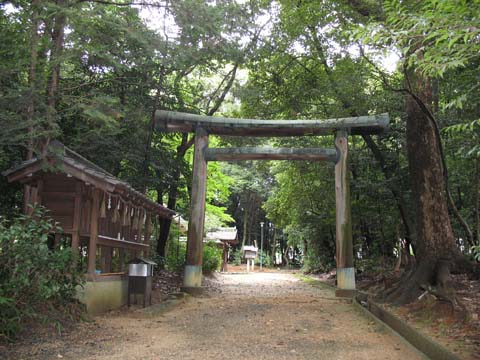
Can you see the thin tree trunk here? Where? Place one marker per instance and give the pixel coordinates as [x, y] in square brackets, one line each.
[32, 80]
[148, 142]
[245, 226]
[58, 37]
[396, 192]
[477, 200]
[32, 74]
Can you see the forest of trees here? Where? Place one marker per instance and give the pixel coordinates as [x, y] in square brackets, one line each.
[91, 73]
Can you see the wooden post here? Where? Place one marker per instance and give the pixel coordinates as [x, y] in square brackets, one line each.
[121, 259]
[344, 242]
[32, 199]
[225, 257]
[106, 259]
[56, 240]
[92, 246]
[39, 192]
[27, 191]
[140, 232]
[76, 218]
[148, 229]
[192, 279]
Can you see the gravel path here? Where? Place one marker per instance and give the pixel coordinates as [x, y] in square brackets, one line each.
[242, 316]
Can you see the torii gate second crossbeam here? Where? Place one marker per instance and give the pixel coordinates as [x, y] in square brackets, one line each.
[203, 126]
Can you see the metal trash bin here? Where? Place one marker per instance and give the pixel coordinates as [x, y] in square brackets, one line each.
[140, 273]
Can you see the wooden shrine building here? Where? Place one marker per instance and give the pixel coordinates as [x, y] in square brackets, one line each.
[203, 126]
[226, 238]
[104, 220]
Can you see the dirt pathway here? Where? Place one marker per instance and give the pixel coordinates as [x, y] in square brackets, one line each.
[243, 316]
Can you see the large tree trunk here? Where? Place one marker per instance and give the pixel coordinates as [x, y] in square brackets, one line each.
[435, 241]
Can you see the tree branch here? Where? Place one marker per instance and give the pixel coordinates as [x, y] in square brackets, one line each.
[227, 88]
[131, 3]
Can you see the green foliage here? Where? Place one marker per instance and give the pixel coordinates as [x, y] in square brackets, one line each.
[475, 251]
[33, 278]
[237, 257]
[212, 257]
[216, 217]
[316, 260]
[267, 260]
[175, 259]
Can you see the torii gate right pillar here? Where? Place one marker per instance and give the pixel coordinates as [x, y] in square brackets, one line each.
[344, 241]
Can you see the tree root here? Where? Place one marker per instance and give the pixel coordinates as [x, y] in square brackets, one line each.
[446, 295]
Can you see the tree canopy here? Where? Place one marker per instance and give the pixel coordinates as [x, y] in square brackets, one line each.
[92, 73]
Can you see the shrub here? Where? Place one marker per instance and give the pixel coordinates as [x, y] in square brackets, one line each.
[33, 278]
[237, 257]
[266, 259]
[313, 262]
[175, 258]
[212, 257]
[475, 252]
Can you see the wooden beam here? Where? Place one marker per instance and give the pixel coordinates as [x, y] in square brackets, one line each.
[193, 267]
[344, 241]
[26, 171]
[92, 245]
[87, 178]
[265, 153]
[181, 122]
[148, 228]
[121, 244]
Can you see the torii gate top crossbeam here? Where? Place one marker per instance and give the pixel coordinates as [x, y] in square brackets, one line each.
[183, 122]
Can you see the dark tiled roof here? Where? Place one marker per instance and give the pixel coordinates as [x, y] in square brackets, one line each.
[60, 154]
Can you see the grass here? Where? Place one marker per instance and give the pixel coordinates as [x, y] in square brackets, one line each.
[314, 282]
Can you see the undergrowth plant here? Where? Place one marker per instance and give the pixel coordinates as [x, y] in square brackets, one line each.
[212, 257]
[175, 259]
[34, 279]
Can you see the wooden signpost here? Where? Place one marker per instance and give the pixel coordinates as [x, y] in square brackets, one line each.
[203, 126]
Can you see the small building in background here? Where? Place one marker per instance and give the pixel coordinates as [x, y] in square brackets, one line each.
[250, 253]
[104, 220]
[226, 238]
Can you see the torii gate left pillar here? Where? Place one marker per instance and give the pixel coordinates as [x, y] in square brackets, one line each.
[192, 279]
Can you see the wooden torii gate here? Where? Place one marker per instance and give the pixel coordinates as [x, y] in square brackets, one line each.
[203, 126]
